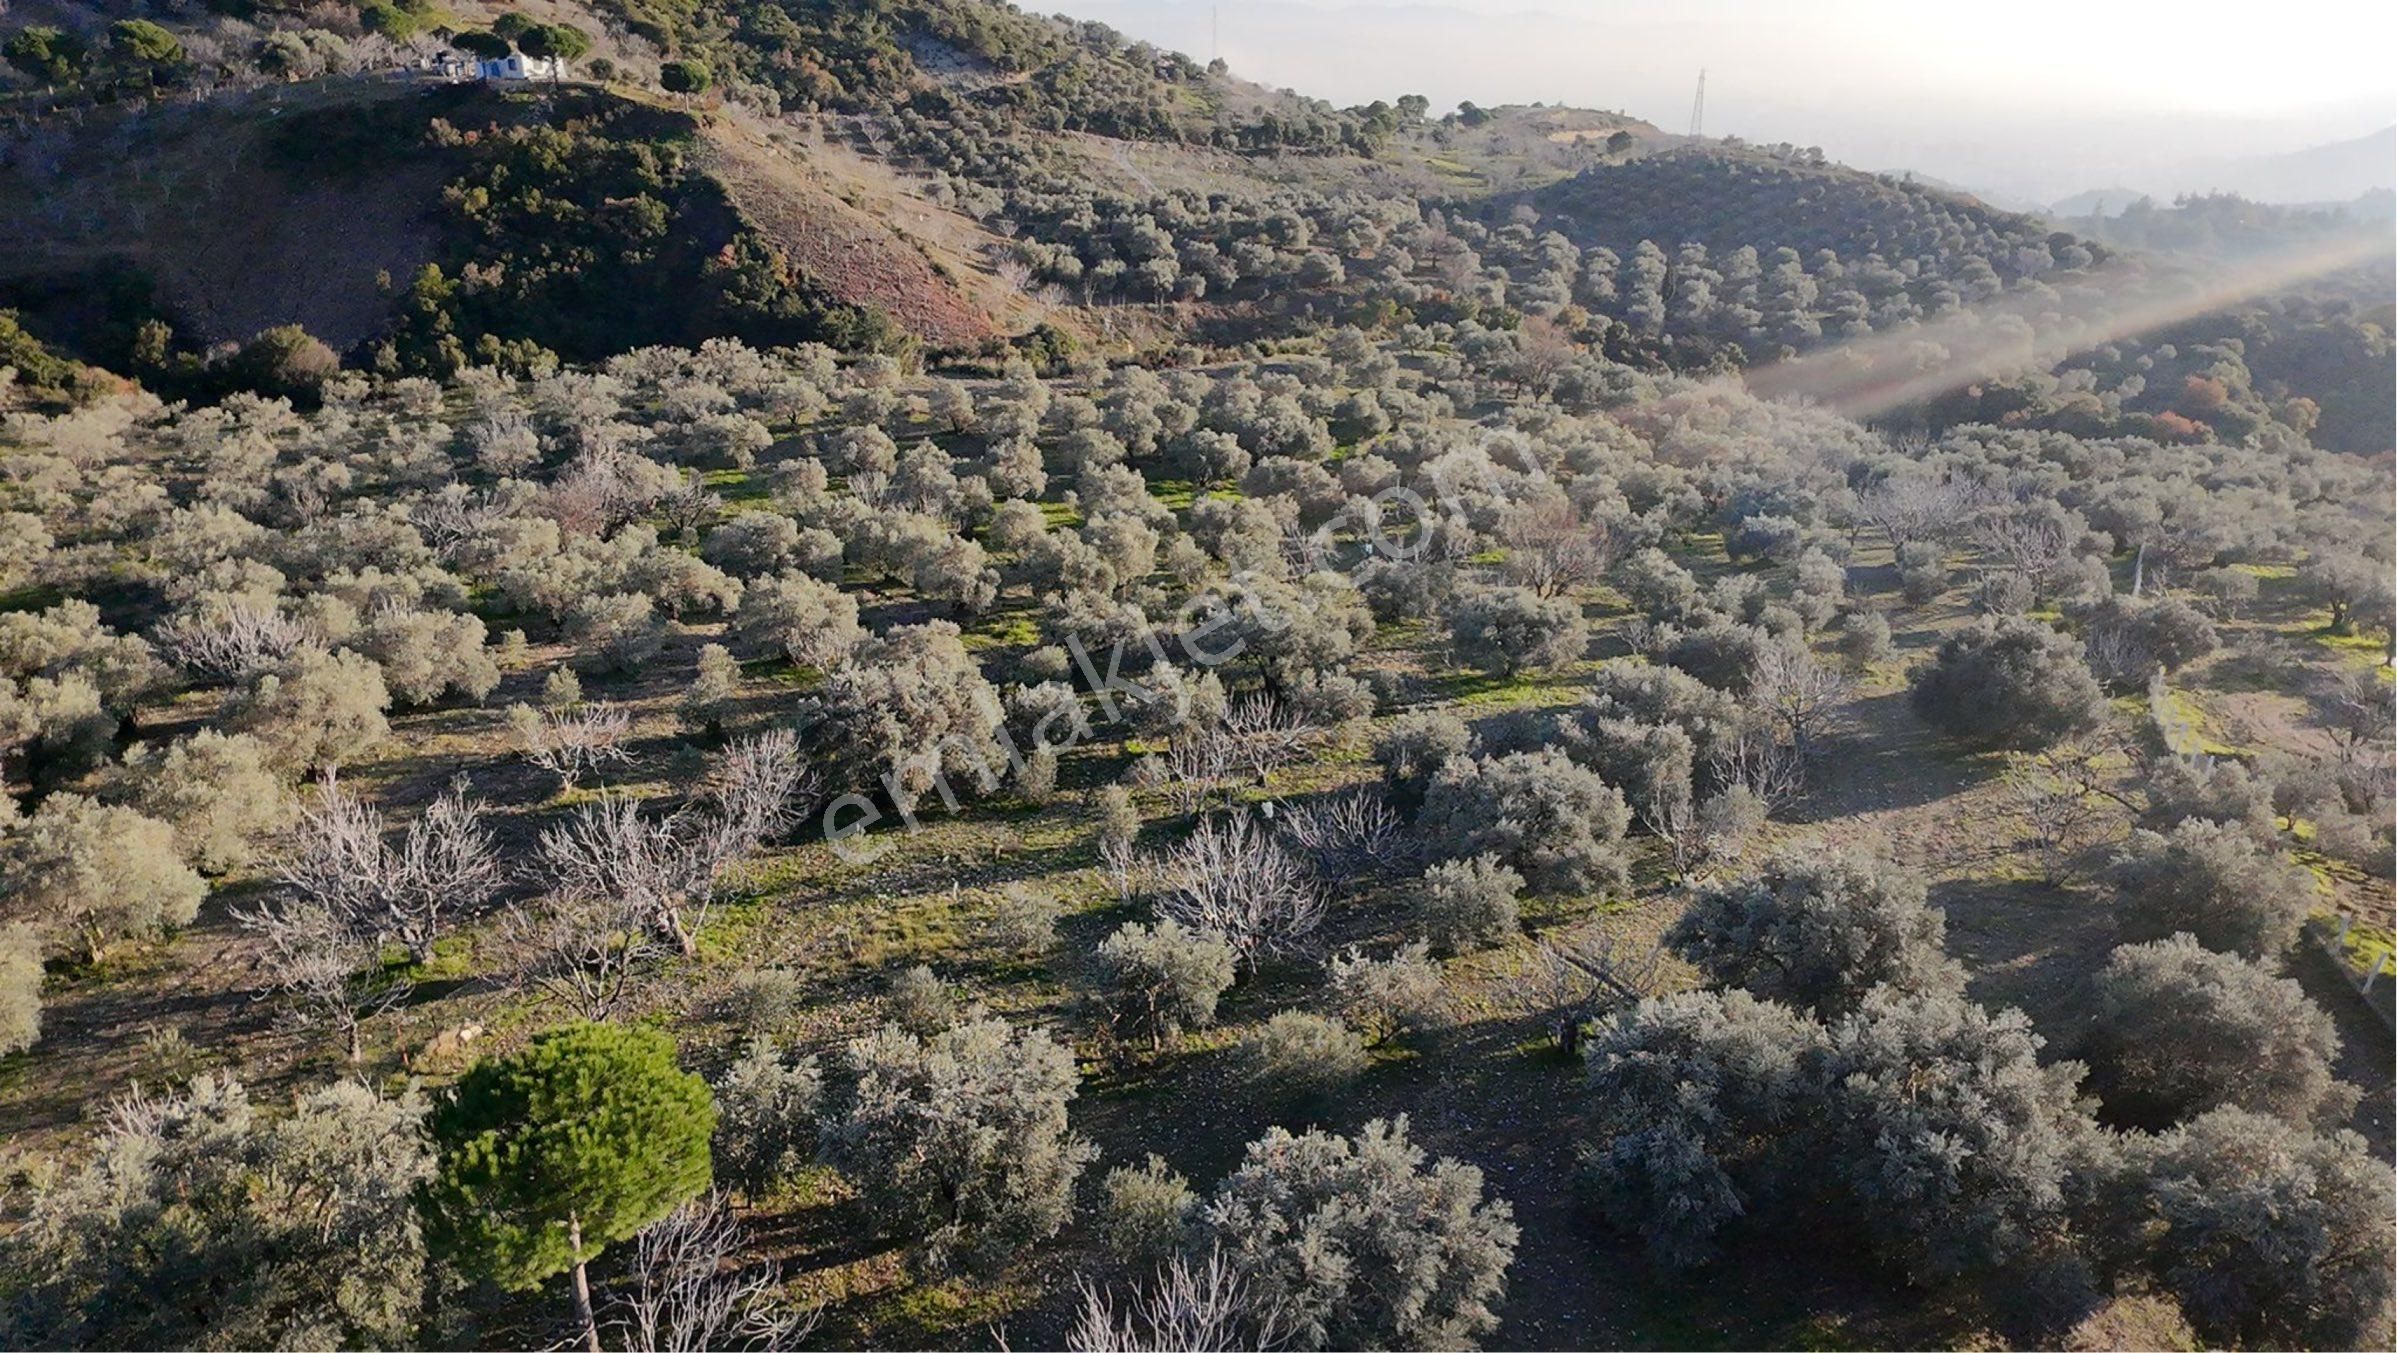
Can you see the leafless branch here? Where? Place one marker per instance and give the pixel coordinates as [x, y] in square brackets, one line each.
[688, 1291]
[1229, 877]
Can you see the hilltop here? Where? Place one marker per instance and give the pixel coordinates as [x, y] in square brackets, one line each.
[966, 180]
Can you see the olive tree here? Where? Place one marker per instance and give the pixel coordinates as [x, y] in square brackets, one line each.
[20, 988]
[913, 715]
[1556, 824]
[316, 712]
[1698, 1100]
[1952, 1144]
[1818, 929]
[2211, 880]
[1509, 629]
[86, 875]
[2008, 682]
[197, 1221]
[216, 791]
[2181, 1029]
[1361, 1242]
[958, 1141]
[2269, 1235]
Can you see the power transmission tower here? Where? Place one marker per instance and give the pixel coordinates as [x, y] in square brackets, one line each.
[1698, 106]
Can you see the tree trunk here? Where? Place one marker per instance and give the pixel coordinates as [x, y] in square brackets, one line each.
[2139, 570]
[357, 1043]
[582, 1284]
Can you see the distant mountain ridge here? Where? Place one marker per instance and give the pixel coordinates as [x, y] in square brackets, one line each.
[2338, 173]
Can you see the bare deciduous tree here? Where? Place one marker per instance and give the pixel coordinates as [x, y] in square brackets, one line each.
[1911, 507]
[574, 741]
[1799, 692]
[1577, 979]
[2034, 542]
[1551, 550]
[1263, 734]
[760, 785]
[325, 963]
[582, 950]
[688, 1291]
[1762, 764]
[1236, 880]
[1189, 1308]
[342, 861]
[1348, 832]
[2063, 800]
[662, 869]
[233, 642]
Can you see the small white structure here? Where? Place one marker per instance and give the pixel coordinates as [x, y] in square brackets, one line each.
[518, 66]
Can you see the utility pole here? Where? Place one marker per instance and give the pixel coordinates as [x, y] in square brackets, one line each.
[1698, 106]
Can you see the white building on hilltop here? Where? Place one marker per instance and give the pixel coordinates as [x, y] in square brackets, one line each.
[518, 66]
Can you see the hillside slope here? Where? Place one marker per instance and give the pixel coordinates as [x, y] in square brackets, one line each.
[230, 237]
[864, 254]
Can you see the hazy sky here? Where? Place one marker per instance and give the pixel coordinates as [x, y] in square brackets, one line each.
[2034, 98]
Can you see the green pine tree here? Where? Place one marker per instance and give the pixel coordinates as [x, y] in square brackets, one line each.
[549, 1154]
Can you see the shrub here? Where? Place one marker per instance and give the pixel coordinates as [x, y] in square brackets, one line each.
[1817, 930]
[1298, 1055]
[766, 1117]
[2270, 1236]
[86, 875]
[1384, 997]
[2008, 682]
[2181, 1029]
[762, 1000]
[684, 75]
[286, 360]
[921, 1003]
[1163, 978]
[1509, 629]
[1699, 1099]
[1468, 904]
[1025, 919]
[2211, 880]
[1144, 1210]
[1559, 826]
[20, 988]
[1922, 571]
[1864, 640]
[959, 1141]
[1359, 1242]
